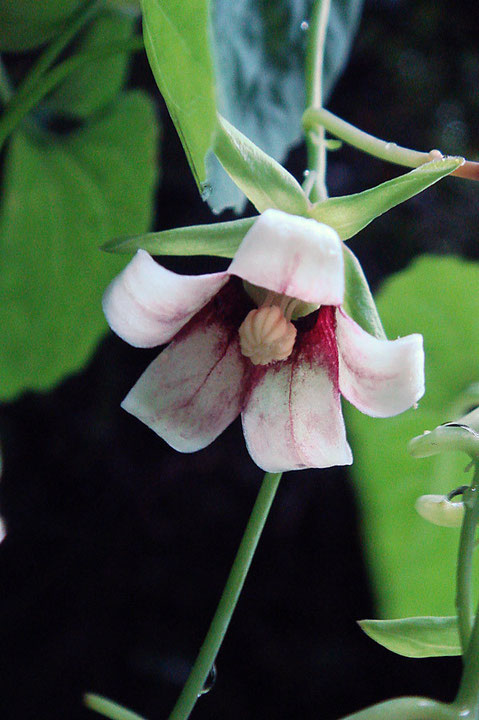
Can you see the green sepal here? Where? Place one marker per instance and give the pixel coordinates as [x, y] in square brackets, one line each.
[220, 239]
[351, 213]
[263, 180]
[416, 637]
[176, 36]
[358, 300]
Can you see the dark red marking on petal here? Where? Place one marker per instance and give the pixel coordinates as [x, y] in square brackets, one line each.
[317, 344]
[228, 308]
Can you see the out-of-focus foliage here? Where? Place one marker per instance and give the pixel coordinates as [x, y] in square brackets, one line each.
[63, 197]
[413, 562]
[27, 24]
[89, 89]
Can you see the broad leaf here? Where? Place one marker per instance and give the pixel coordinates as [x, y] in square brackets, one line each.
[62, 198]
[220, 239]
[350, 214]
[416, 637]
[96, 84]
[358, 300]
[264, 181]
[259, 48]
[177, 44]
[412, 561]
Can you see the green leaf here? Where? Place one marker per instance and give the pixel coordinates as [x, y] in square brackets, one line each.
[350, 214]
[416, 637]
[62, 198]
[264, 181]
[98, 83]
[259, 49]
[220, 239]
[358, 300]
[176, 42]
[413, 562]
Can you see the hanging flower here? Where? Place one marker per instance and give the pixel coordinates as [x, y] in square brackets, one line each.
[268, 339]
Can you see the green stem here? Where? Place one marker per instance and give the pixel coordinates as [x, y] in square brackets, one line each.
[468, 696]
[109, 709]
[6, 90]
[229, 598]
[316, 141]
[17, 110]
[406, 708]
[464, 563]
[389, 151]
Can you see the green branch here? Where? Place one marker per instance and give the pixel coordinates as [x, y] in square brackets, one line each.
[229, 599]
[316, 142]
[315, 118]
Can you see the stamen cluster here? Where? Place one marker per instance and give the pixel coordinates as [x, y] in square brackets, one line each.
[267, 333]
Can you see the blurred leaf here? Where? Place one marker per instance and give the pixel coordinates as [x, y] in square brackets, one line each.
[63, 197]
[260, 48]
[97, 83]
[416, 637]
[358, 300]
[351, 213]
[27, 24]
[176, 42]
[412, 561]
[220, 239]
[264, 181]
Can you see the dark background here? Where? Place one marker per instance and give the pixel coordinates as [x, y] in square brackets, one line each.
[118, 547]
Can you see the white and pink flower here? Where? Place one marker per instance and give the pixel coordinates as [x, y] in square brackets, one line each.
[267, 339]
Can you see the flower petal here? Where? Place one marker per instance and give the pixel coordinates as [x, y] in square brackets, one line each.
[293, 417]
[294, 256]
[146, 305]
[380, 377]
[193, 390]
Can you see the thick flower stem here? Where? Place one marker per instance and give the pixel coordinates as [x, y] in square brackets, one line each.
[464, 563]
[315, 118]
[315, 141]
[229, 598]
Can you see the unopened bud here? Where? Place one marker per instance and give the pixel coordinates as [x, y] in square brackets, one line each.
[439, 510]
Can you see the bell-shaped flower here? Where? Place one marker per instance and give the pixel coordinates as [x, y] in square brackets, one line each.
[267, 339]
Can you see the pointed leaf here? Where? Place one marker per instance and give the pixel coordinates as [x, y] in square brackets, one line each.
[62, 197]
[358, 300]
[263, 180]
[416, 637]
[220, 239]
[350, 214]
[176, 42]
